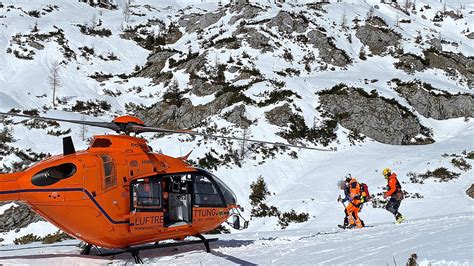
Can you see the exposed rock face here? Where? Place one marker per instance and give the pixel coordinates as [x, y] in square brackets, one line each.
[280, 115]
[381, 119]
[411, 63]
[254, 38]
[186, 116]
[201, 87]
[18, 217]
[237, 117]
[470, 35]
[194, 22]
[440, 105]
[193, 64]
[470, 191]
[436, 43]
[328, 51]
[246, 11]
[377, 36]
[155, 63]
[451, 63]
[286, 23]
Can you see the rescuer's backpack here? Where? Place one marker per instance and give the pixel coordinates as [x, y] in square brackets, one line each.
[364, 192]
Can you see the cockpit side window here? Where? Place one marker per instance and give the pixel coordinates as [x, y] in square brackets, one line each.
[110, 177]
[146, 195]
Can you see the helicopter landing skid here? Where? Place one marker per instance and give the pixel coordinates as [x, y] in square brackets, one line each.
[134, 251]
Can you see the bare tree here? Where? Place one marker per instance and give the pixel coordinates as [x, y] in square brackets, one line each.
[54, 79]
[344, 21]
[407, 5]
[126, 11]
[83, 129]
[94, 21]
[243, 151]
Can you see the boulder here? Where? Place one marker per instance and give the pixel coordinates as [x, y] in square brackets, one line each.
[470, 191]
[279, 116]
[237, 117]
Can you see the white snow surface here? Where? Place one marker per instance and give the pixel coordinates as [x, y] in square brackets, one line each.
[439, 226]
[436, 241]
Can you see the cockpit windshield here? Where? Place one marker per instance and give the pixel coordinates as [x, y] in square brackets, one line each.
[229, 195]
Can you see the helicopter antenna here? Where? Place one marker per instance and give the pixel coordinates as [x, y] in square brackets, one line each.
[129, 124]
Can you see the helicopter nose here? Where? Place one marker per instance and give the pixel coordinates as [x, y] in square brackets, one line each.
[9, 188]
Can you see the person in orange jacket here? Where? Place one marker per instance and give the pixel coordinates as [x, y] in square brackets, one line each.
[394, 191]
[352, 194]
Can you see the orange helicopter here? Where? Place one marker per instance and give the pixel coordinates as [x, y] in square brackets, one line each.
[119, 194]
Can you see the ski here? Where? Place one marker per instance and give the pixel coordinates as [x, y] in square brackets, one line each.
[347, 227]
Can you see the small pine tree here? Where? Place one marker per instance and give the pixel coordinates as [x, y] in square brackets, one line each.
[173, 95]
[362, 55]
[6, 135]
[258, 191]
[149, 42]
[35, 27]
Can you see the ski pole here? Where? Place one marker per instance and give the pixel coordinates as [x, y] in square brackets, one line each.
[340, 199]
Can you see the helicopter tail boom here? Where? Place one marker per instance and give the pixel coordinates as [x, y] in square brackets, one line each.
[9, 187]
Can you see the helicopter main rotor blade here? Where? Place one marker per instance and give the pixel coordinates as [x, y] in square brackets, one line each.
[140, 129]
[108, 125]
[132, 127]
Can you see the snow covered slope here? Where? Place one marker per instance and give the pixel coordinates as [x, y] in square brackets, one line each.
[436, 241]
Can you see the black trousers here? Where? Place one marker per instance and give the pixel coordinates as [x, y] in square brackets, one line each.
[393, 205]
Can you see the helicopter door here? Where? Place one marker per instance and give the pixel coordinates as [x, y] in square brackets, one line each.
[146, 206]
[177, 199]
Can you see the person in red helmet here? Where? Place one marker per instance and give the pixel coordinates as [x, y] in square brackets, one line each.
[394, 191]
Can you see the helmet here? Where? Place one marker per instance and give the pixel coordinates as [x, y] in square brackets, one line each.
[348, 177]
[386, 172]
